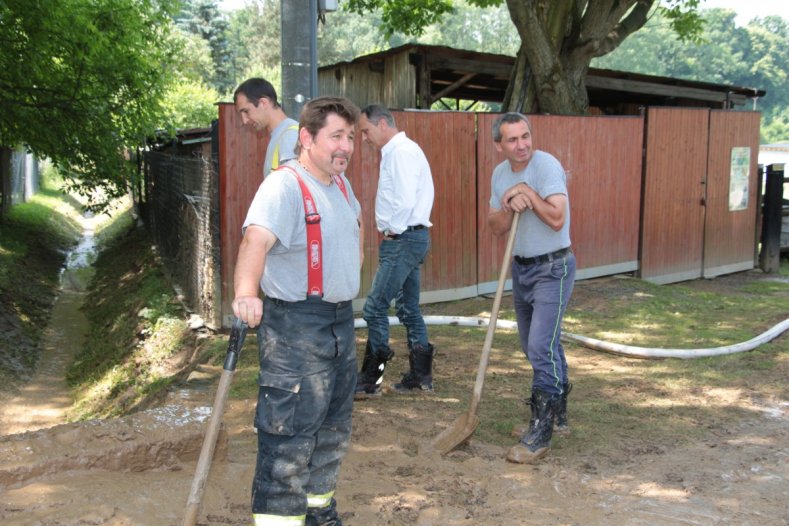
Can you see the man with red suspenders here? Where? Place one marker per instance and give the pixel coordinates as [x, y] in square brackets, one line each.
[302, 245]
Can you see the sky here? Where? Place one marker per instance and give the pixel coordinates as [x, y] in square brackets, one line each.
[746, 9]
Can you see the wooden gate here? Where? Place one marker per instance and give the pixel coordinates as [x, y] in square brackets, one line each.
[696, 162]
[732, 200]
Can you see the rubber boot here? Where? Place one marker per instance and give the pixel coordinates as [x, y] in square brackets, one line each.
[562, 426]
[536, 443]
[420, 374]
[372, 374]
[323, 516]
[519, 430]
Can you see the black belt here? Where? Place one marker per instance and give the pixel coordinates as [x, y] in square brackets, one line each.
[544, 258]
[408, 229]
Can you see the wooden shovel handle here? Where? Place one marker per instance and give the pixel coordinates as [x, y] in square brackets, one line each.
[494, 315]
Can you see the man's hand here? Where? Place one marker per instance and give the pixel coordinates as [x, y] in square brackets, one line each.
[518, 198]
[248, 309]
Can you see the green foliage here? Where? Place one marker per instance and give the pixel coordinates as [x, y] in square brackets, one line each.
[484, 29]
[754, 55]
[81, 80]
[254, 38]
[192, 57]
[189, 104]
[203, 18]
[410, 17]
[684, 19]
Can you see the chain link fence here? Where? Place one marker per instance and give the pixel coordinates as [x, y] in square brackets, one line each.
[181, 208]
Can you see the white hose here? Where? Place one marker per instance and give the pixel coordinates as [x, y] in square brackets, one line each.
[615, 348]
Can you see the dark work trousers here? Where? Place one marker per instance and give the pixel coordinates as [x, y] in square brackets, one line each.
[307, 353]
[540, 293]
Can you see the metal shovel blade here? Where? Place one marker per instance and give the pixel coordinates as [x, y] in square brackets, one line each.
[457, 434]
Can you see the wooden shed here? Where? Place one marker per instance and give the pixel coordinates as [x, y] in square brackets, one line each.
[416, 76]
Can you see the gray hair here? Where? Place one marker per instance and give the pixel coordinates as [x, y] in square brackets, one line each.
[508, 118]
[376, 112]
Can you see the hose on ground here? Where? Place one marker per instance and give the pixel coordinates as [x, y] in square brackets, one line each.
[614, 348]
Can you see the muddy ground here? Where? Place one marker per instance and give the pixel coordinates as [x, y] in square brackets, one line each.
[138, 470]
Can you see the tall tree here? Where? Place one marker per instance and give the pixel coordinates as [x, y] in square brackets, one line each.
[203, 18]
[81, 80]
[559, 38]
[754, 55]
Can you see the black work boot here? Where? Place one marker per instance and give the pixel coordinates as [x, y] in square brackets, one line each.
[562, 426]
[323, 516]
[536, 443]
[372, 374]
[420, 373]
[519, 430]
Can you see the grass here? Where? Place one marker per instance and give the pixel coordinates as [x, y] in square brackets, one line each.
[138, 328]
[34, 238]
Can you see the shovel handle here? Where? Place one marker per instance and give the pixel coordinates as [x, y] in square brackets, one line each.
[494, 316]
[237, 336]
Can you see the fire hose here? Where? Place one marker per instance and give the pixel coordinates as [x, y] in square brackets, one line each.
[610, 347]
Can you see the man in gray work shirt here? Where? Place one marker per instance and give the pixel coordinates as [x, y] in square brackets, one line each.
[256, 102]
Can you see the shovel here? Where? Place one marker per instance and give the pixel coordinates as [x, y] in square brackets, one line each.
[463, 427]
[237, 335]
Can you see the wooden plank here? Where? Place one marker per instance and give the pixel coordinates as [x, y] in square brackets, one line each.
[242, 152]
[730, 235]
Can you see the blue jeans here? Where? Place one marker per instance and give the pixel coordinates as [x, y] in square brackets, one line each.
[397, 278]
[307, 353]
[540, 295]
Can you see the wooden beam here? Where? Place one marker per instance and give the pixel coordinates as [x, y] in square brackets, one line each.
[452, 87]
[664, 90]
[463, 65]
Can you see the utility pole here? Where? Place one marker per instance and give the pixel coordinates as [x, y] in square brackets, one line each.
[299, 40]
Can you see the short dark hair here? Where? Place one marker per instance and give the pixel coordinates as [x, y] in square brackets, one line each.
[376, 112]
[255, 89]
[315, 112]
[508, 118]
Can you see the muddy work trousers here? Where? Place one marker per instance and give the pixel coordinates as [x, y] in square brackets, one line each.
[307, 377]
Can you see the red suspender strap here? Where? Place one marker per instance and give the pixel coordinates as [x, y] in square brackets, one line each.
[341, 185]
[314, 240]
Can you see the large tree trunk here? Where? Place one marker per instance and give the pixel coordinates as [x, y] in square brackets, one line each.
[559, 39]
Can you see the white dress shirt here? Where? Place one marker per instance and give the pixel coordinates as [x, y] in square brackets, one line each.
[405, 187]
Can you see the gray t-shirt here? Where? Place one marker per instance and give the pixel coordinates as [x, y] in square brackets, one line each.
[545, 175]
[282, 143]
[278, 206]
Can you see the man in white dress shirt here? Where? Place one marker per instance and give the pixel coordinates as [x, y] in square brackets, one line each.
[402, 215]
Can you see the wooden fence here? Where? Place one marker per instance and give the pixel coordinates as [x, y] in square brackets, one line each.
[646, 194]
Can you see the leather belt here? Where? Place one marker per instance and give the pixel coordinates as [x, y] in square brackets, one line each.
[408, 229]
[544, 258]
